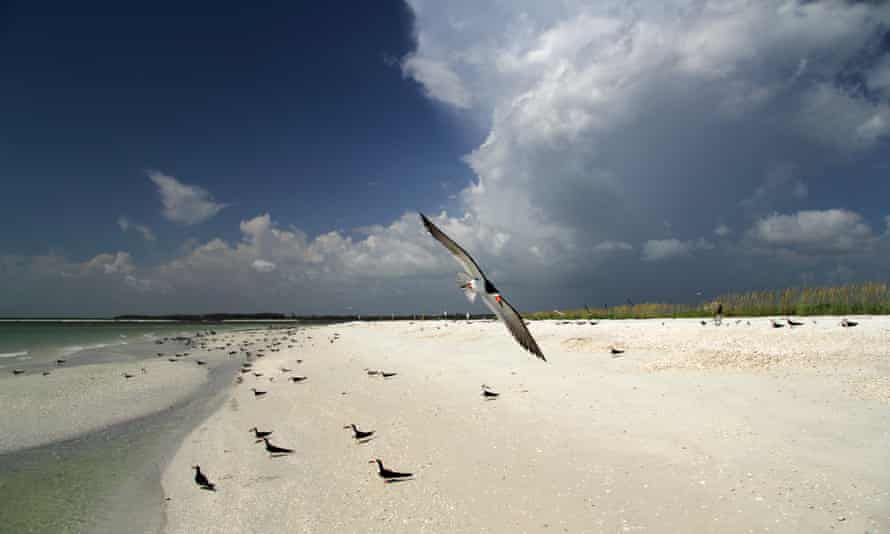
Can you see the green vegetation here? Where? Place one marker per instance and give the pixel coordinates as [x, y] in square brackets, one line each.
[871, 298]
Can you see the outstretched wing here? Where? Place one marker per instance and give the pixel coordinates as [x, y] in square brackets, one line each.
[515, 324]
[468, 263]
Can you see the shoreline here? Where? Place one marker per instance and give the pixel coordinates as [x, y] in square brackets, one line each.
[108, 453]
[725, 429]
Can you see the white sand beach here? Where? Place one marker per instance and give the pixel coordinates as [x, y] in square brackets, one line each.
[739, 428]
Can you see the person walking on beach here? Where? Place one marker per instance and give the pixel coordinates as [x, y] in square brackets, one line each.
[718, 314]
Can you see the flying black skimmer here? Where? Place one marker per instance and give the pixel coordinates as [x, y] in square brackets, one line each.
[276, 450]
[473, 282]
[257, 393]
[359, 434]
[846, 323]
[260, 434]
[297, 379]
[386, 474]
[488, 394]
[201, 479]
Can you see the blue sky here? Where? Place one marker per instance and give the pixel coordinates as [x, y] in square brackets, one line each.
[226, 158]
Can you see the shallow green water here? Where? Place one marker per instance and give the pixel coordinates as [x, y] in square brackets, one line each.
[107, 481]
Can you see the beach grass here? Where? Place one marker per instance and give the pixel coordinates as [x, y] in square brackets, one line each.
[866, 298]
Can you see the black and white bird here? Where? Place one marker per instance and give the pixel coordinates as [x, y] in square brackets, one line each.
[846, 323]
[473, 282]
[488, 393]
[385, 374]
[276, 450]
[776, 324]
[386, 474]
[297, 379]
[201, 479]
[257, 393]
[792, 322]
[615, 351]
[260, 434]
[359, 434]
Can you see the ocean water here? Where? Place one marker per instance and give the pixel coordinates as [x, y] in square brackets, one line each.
[35, 343]
[108, 480]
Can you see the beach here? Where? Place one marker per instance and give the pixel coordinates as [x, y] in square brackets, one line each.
[694, 428]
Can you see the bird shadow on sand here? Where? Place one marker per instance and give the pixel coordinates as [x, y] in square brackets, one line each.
[280, 454]
[398, 480]
[209, 488]
[362, 441]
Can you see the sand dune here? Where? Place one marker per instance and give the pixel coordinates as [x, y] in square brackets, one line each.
[694, 429]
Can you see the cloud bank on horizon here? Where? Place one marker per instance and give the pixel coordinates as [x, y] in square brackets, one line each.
[641, 149]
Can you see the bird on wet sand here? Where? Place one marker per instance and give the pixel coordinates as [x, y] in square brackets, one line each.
[273, 450]
[473, 282]
[386, 474]
[127, 376]
[60, 361]
[359, 434]
[260, 434]
[201, 479]
[298, 379]
[257, 393]
[846, 323]
[792, 322]
[18, 371]
[384, 374]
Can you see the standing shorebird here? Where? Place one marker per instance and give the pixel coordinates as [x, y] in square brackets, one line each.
[386, 474]
[488, 393]
[201, 479]
[274, 450]
[359, 434]
[473, 282]
[260, 434]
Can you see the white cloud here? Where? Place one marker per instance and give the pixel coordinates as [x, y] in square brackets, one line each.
[833, 231]
[263, 266]
[722, 231]
[665, 249]
[125, 225]
[117, 263]
[183, 203]
[437, 79]
[613, 246]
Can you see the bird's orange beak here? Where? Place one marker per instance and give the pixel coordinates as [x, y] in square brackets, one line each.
[497, 298]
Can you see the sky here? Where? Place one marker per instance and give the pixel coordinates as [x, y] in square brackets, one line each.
[224, 158]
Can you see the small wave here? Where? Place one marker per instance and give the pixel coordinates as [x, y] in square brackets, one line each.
[13, 354]
[77, 348]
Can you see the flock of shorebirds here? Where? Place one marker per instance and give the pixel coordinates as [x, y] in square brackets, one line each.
[263, 436]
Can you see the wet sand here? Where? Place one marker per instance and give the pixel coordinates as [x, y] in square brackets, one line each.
[739, 428]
